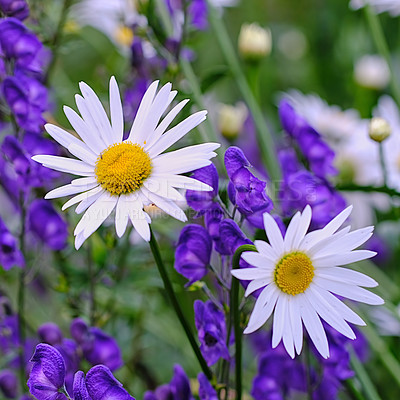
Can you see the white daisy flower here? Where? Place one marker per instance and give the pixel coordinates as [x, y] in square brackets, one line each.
[380, 6]
[126, 175]
[301, 277]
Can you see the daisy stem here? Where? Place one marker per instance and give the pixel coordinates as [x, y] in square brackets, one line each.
[235, 315]
[92, 285]
[383, 48]
[383, 163]
[178, 310]
[352, 390]
[362, 375]
[264, 137]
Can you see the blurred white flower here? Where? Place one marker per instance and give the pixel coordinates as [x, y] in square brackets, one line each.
[371, 71]
[293, 44]
[231, 119]
[254, 41]
[379, 6]
[387, 322]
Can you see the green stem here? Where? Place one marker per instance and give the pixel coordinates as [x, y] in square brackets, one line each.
[92, 285]
[383, 164]
[235, 313]
[352, 390]
[178, 310]
[362, 375]
[358, 188]
[381, 44]
[263, 135]
[308, 369]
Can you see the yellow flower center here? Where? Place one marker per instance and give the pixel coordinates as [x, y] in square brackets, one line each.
[294, 273]
[124, 35]
[122, 168]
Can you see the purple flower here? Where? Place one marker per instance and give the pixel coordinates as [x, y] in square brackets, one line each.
[213, 217]
[206, 391]
[50, 333]
[20, 44]
[69, 351]
[230, 237]
[27, 99]
[265, 388]
[9, 335]
[202, 201]
[318, 154]
[79, 389]
[245, 190]
[46, 378]
[193, 253]
[210, 324]
[15, 8]
[10, 255]
[47, 224]
[8, 384]
[96, 345]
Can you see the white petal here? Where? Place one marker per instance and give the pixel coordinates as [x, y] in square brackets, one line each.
[83, 196]
[280, 318]
[64, 164]
[346, 275]
[256, 284]
[138, 217]
[84, 181]
[342, 309]
[116, 114]
[273, 233]
[266, 249]
[304, 224]
[296, 324]
[67, 190]
[183, 182]
[98, 113]
[90, 136]
[291, 232]
[333, 260]
[80, 152]
[328, 313]
[177, 132]
[162, 189]
[248, 274]
[258, 260]
[352, 292]
[319, 246]
[142, 112]
[121, 215]
[287, 335]
[183, 165]
[313, 325]
[263, 308]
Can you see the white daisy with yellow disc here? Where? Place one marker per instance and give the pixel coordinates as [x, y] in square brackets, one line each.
[301, 277]
[126, 175]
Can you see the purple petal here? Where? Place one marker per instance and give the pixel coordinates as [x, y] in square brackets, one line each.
[79, 388]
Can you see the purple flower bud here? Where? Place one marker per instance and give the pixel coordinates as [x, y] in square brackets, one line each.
[198, 12]
[180, 385]
[18, 43]
[69, 351]
[79, 387]
[202, 200]
[231, 237]
[27, 99]
[212, 219]
[193, 253]
[101, 385]
[210, 324]
[9, 254]
[8, 384]
[206, 391]
[163, 392]
[245, 190]
[50, 333]
[47, 224]
[265, 388]
[96, 345]
[46, 378]
[15, 8]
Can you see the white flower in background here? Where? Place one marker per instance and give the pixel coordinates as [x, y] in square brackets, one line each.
[391, 6]
[293, 44]
[388, 110]
[371, 71]
[231, 119]
[126, 175]
[387, 321]
[112, 17]
[254, 42]
[301, 277]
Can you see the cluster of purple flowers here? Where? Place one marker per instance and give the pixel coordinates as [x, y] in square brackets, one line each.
[24, 97]
[307, 182]
[89, 344]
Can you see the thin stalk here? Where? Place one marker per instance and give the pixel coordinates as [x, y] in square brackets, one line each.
[263, 135]
[383, 164]
[92, 285]
[358, 188]
[177, 308]
[383, 48]
[308, 370]
[235, 314]
[352, 390]
[362, 375]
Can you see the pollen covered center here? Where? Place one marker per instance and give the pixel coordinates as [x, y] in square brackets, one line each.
[122, 168]
[294, 273]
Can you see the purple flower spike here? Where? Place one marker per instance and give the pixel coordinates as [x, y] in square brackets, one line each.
[180, 385]
[231, 237]
[101, 385]
[79, 388]
[48, 373]
[210, 324]
[206, 391]
[97, 346]
[192, 256]
[8, 384]
[202, 200]
[47, 224]
[245, 190]
[15, 8]
[50, 333]
[9, 254]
